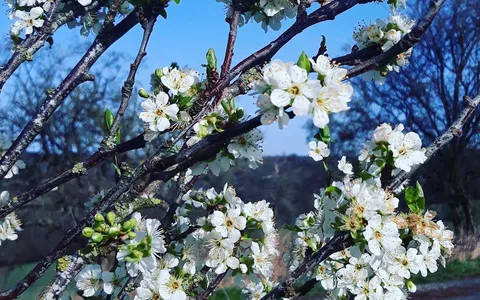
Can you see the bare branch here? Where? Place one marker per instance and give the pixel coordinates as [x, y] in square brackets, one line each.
[26, 50]
[232, 37]
[77, 170]
[78, 75]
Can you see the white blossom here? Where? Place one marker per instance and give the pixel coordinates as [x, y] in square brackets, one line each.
[158, 113]
[318, 150]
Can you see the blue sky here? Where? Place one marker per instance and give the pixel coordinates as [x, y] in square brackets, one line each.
[196, 25]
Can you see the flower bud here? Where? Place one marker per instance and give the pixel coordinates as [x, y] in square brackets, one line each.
[99, 218]
[111, 217]
[131, 235]
[88, 232]
[97, 237]
[100, 227]
[211, 59]
[159, 73]
[412, 288]
[114, 231]
[240, 113]
[143, 93]
[129, 225]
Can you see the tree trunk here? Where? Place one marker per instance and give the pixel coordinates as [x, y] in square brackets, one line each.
[457, 226]
[469, 225]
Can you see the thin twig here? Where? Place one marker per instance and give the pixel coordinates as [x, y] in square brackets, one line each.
[78, 75]
[127, 88]
[232, 37]
[25, 51]
[77, 170]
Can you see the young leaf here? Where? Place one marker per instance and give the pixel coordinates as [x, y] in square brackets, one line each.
[108, 118]
[303, 62]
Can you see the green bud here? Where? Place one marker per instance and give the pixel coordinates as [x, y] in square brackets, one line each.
[412, 288]
[108, 118]
[87, 232]
[129, 225]
[99, 218]
[143, 93]
[226, 107]
[111, 217]
[159, 73]
[303, 62]
[134, 221]
[211, 59]
[97, 237]
[131, 235]
[114, 231]
[240, 113]
[99, 227]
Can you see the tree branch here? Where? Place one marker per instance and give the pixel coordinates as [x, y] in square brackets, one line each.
[127, 88]
[403, 45]
[456, 130]
[77, 170]
[26, 50]
[78, 75]
[232, 37]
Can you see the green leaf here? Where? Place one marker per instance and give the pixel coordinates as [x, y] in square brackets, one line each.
[415, 199]
[421, 197]
[323, 135]
[117, 137]
[108, 118]
[117, 169]
[303, 62]
[333, 189]
[365, 176]
[294, 228]
[325, 166]
[177, 1]
[323, 44]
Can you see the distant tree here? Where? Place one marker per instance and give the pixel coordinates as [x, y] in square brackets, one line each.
[66, 138]
[427, 97]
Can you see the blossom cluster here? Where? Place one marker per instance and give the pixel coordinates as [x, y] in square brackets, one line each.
[176, 92]
[29, 15]
[286, 85]
[270, 13]
[11, 225]
[384, 34]
[388, 246]
[171, 103]
[393, 148]
[210, 232]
